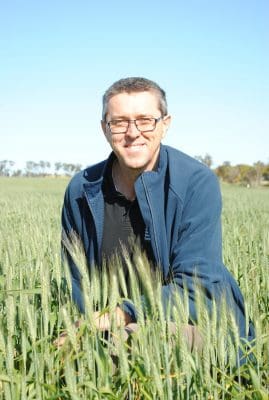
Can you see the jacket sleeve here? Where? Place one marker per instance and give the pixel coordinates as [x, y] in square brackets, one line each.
[196, 257]
[69, 230]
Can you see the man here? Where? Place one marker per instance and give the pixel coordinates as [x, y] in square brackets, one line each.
[169, 202]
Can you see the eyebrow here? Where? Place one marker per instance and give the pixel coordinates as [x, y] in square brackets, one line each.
[137, 116]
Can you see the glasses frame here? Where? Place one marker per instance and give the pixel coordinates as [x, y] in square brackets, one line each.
[156, 120]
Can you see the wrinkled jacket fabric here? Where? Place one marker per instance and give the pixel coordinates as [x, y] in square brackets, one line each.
[181, 206]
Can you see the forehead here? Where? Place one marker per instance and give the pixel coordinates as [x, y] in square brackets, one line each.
[133, 103]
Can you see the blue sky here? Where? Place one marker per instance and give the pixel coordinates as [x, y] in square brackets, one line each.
[58, 57]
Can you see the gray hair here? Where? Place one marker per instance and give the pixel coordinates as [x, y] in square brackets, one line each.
[134, 84]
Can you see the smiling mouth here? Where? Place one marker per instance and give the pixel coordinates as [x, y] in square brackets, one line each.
[130, 146]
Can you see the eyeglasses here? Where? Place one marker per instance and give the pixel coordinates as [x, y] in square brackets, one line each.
[142, 124]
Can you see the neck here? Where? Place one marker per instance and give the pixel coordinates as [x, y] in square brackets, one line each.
[124, 180]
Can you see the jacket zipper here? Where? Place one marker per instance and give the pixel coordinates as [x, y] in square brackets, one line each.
[153, 224]
[94, 220]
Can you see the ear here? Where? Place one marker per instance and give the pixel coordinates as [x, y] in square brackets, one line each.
[166, 124]
[104, 129]
[103, 125]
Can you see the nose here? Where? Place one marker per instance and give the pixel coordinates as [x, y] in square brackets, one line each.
[132, 129]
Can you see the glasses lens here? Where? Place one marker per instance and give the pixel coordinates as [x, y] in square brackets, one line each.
[118, 126]
[145, 124]
[142, 124]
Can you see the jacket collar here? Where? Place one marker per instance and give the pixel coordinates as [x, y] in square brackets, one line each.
[93, 187]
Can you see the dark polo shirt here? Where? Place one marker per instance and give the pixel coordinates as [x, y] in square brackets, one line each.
[123, 223]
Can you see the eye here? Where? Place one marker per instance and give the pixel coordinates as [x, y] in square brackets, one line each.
[119, 122]
[144, 121]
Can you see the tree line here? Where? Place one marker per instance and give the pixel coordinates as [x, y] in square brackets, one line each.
[41, 168]
[242, 174]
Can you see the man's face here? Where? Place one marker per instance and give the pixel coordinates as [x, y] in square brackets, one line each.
[135, 149]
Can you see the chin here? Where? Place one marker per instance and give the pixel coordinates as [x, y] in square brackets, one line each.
[134, 166]
[136, 162]
[139, 167]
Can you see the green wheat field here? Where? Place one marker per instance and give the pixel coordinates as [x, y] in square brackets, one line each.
[35, 308]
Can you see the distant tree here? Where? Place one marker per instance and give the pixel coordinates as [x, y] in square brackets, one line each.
[17, 172]
[5, 167]
[242, 173]
[44, 167]
[70, 169]
[58, 166]
[250, 174]
[265, 172]
[66, 169]
[232, 174]
[31, 168]
[206, 159]
[245, 175]
[259, 168]
[77, 168]
[228, 173]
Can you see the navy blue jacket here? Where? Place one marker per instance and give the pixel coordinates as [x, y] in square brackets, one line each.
[181, 206]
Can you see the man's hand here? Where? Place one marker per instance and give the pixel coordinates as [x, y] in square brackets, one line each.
[60, 341]
[102, 322]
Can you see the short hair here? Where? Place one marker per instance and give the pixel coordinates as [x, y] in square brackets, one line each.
[134, 84]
